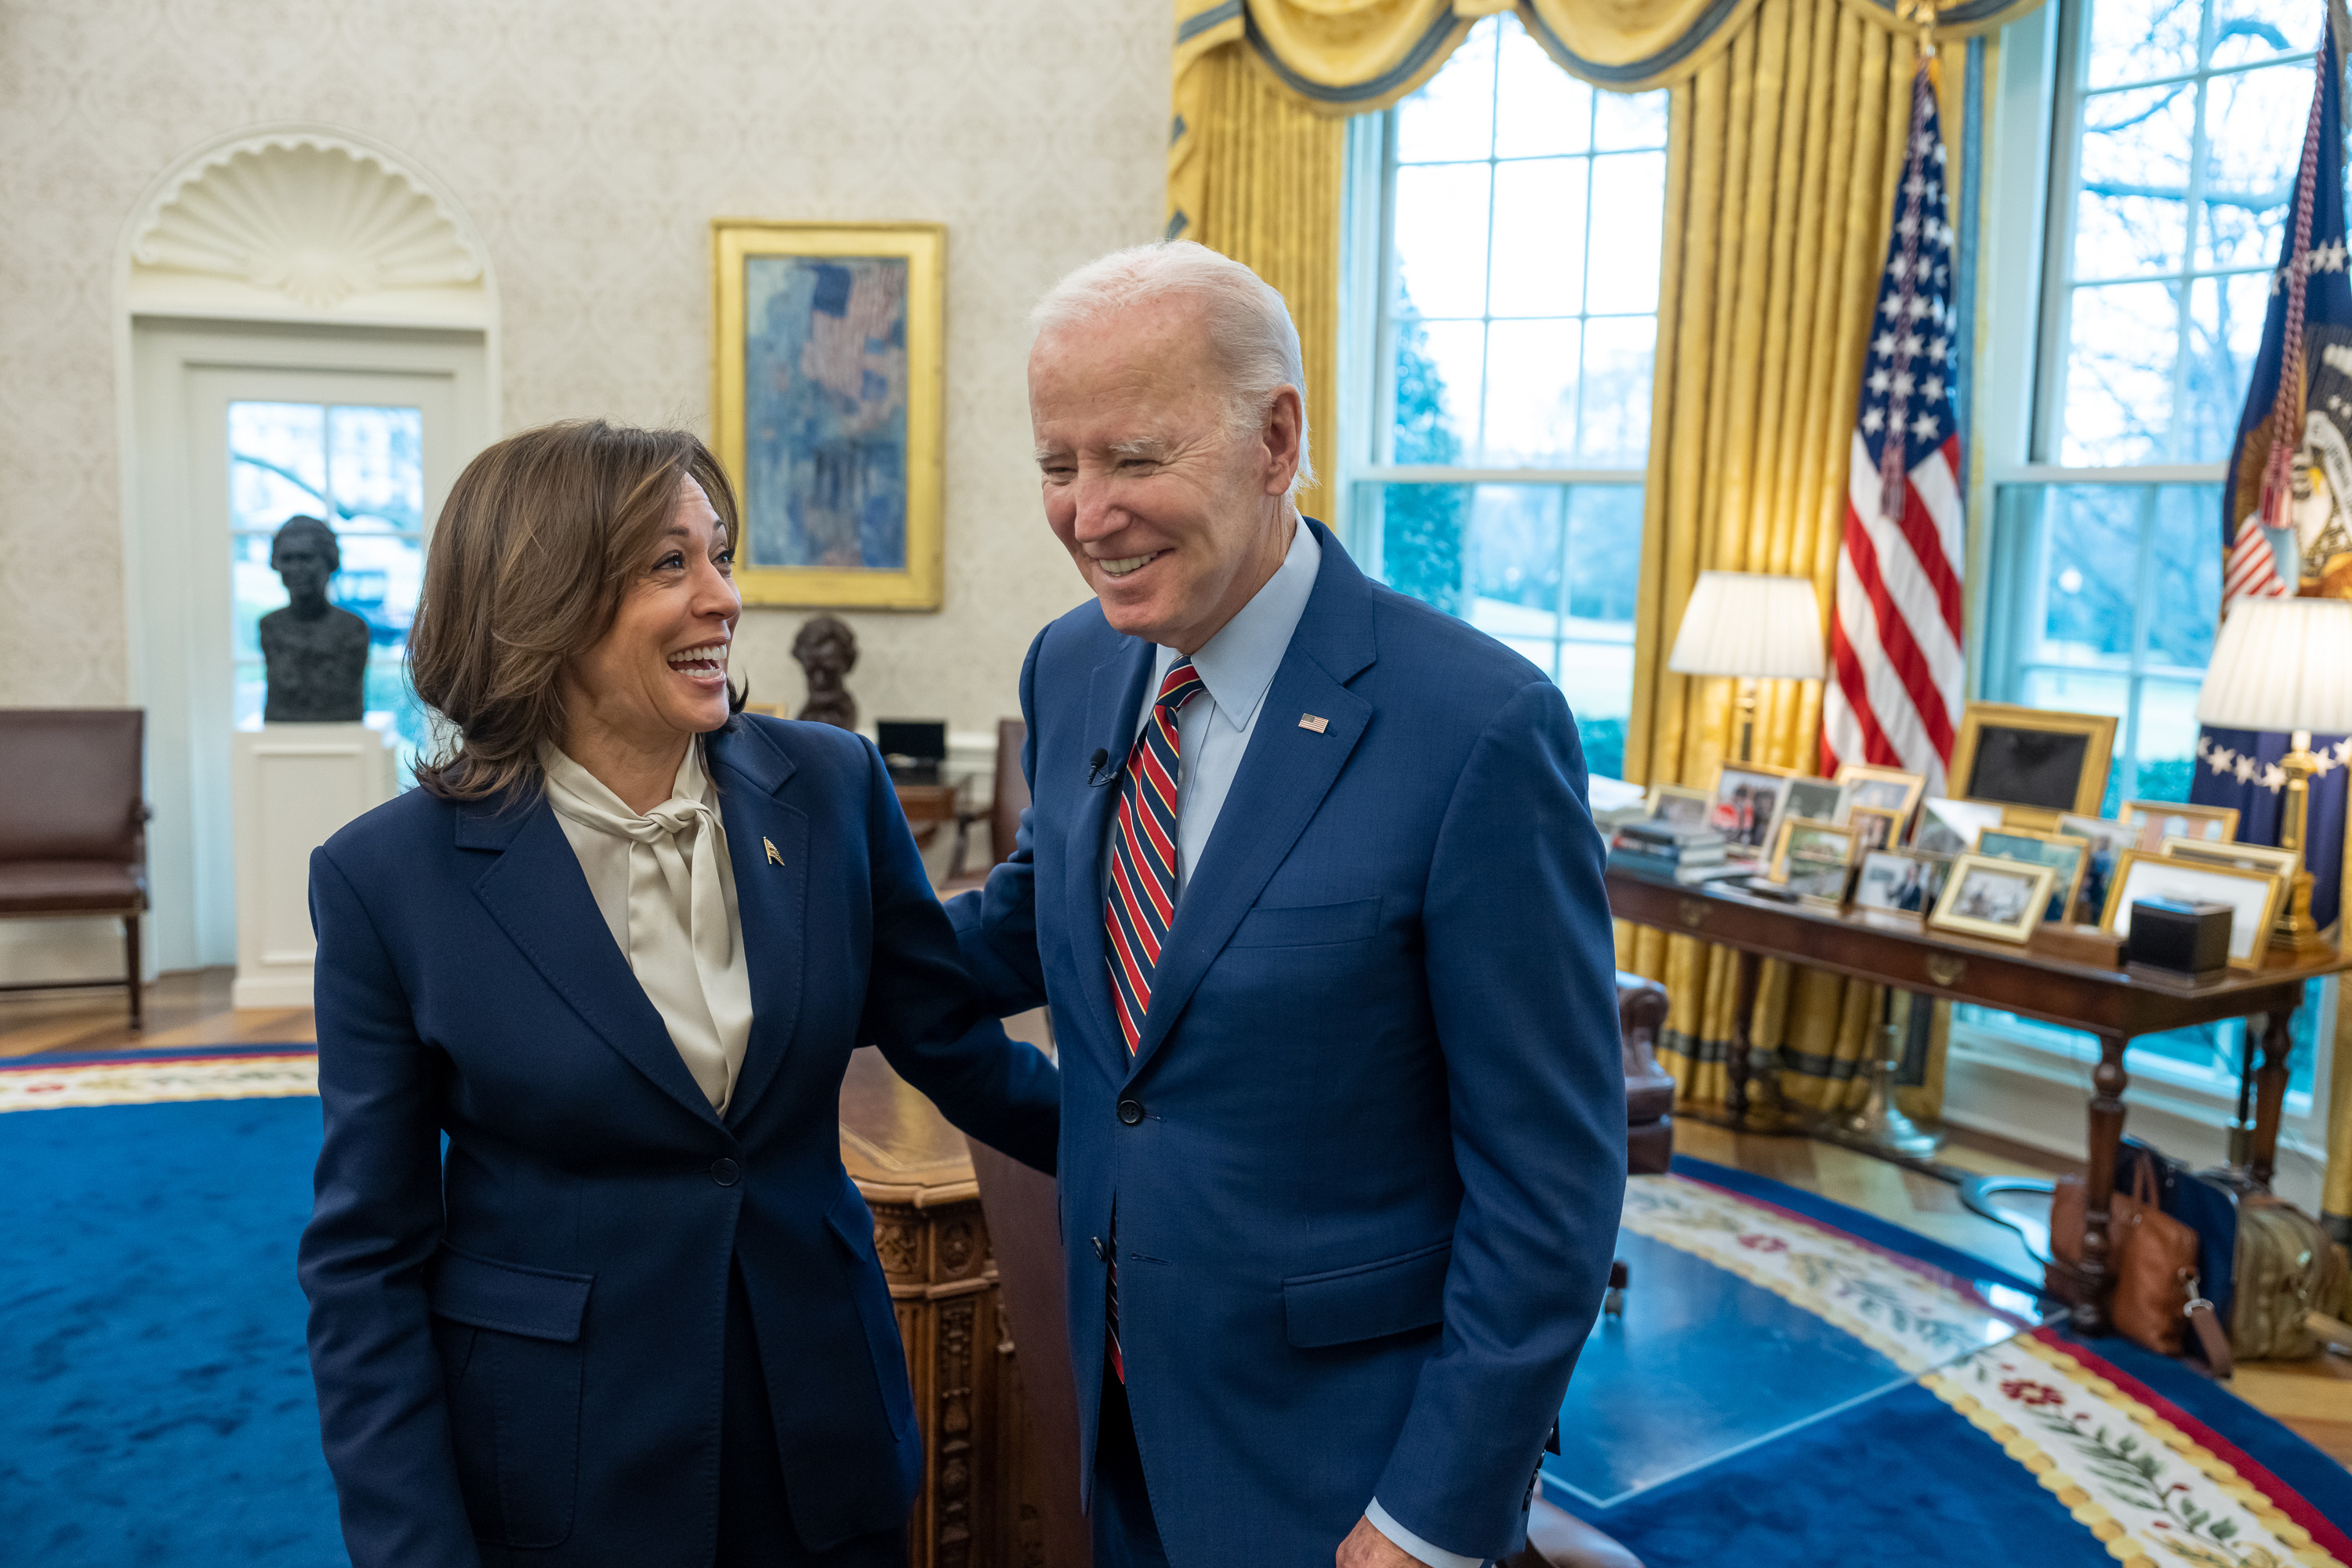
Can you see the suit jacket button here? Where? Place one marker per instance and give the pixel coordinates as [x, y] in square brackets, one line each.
[1130, 1111]
[725, 1171]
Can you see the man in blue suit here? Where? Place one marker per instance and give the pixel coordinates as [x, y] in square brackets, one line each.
[1311, 886]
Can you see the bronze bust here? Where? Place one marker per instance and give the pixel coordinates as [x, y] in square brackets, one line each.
[315, 653]
[827, 650]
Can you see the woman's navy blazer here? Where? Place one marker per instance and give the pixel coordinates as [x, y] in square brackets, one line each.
[518, 1344]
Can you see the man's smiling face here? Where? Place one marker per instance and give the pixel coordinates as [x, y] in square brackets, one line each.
[1174, 519]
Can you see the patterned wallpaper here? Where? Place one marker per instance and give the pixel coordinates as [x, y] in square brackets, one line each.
[591, 141]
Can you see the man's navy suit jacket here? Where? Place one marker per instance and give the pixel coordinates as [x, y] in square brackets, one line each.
[532, 1333]
[1368, 1158]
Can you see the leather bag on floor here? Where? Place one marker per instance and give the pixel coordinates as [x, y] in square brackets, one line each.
[2287, 1268]
[2151, 1256]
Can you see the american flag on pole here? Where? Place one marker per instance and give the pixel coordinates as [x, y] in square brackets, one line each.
[1895, 688]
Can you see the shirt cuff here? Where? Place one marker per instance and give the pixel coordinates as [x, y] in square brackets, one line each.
[1413, 1545]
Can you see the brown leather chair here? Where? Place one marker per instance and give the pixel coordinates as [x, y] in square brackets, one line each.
[1009, 798]
[73, 824]
[1024, 1233]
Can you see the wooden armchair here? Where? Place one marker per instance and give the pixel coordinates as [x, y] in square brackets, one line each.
[73, 824]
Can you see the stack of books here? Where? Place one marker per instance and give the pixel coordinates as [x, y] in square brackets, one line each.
[1658, 849]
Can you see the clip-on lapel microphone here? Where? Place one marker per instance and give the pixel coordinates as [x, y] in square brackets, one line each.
[1094, 765]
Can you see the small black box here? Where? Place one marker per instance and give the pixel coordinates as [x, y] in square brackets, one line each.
[2190, 939]
[913, 749]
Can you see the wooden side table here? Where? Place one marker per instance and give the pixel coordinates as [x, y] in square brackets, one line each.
[929, 806]
[2114, 1005]
[915, 1174]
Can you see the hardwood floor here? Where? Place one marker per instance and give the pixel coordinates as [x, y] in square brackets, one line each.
[2314, 1397]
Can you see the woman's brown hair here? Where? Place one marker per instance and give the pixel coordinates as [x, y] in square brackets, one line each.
[541, 537]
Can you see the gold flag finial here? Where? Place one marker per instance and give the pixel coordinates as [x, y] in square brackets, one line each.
[1924, 12]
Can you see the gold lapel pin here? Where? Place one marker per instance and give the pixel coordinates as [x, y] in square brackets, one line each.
[1314, 722]
[770, 843]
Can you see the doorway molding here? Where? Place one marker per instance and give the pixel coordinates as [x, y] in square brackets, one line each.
[300, 237]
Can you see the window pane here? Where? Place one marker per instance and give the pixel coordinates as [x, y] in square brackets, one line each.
[1615, 424]
[2131, 216]
[1514, 558]
[1531, 378]
[2185, 602]
[1440, 366]
[2167, 741]
[2225, 332]
[1604, 552]
[2133, 40]
[2091, 553]
[2253, 138]
[1539, 237]
[1453, 114]
[1539, 108]
[375, 467]
[2118, 397]
[1629, 207]
[1441, 239]
[1629, 121]
[1420, 540]
[2247, 30]
[278, 463]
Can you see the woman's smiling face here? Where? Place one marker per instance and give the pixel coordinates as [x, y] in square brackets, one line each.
[660, 669]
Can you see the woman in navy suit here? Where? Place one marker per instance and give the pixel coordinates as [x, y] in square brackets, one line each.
[618, 949]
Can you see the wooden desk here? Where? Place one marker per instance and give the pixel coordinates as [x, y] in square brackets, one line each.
[929, 806]
[1896, 950]
[915, 1174]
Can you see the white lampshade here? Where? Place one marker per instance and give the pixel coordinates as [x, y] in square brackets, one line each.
[2282, 664]
[1746, 624]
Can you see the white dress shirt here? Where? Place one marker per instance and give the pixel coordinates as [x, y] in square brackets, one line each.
[1213, 734]
[662, 883]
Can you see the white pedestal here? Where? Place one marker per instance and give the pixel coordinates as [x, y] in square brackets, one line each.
[294, 786]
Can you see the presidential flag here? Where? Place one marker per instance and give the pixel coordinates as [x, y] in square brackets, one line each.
[1895, 689]
[2283, 518]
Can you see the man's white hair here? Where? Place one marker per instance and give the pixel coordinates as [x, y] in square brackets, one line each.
[1249, 326]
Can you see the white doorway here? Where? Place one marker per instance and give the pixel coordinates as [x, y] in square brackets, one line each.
[238, 426]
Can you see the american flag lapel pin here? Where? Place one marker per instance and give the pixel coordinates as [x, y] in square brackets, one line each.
[773, 855]
[1315, 721]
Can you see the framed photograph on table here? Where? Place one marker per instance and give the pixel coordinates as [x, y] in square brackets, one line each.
[1896, 883]
[2070, 857]
[2254, 897]
[1885, 789]
[2032, 757]
[2267, 858]
[1874, 827]
[1812, 860]
[827, 407]
[1679, 808]
[1950, 826]
[1748, 808]
[2108, 839]
[1822, 800]
[2154, 821]
[1989, 897]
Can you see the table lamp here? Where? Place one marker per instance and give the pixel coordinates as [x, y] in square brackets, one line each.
[1751, 627]
[2286, 664]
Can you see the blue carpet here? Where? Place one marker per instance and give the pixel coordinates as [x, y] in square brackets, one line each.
[157, 1406]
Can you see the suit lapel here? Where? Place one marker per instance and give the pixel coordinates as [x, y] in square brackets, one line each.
[540, 898]
[1284, 777]
[771, 898]
[1112, 701]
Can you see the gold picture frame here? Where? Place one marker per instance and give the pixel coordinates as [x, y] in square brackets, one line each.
[1690, 807]
[1788, 846]
[2223, 884]
[1852, 773]
[1860, 817]
[2098, 732]
[2070, 856]
[2268, 858]
[1951, 915]
[867, 304]
[2151, 816]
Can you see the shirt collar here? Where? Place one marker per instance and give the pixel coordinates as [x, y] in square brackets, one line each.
[576, 792]
[1238, 664]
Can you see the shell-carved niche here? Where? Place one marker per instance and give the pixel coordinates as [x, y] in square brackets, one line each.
[312, 218]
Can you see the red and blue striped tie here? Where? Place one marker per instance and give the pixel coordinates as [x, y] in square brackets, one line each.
[1142, 899]
[1142, 902]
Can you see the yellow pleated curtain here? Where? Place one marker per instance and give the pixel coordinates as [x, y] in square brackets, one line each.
[1786, 122]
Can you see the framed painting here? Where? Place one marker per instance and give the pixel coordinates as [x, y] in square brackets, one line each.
[2032, 757]
[827, 408]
